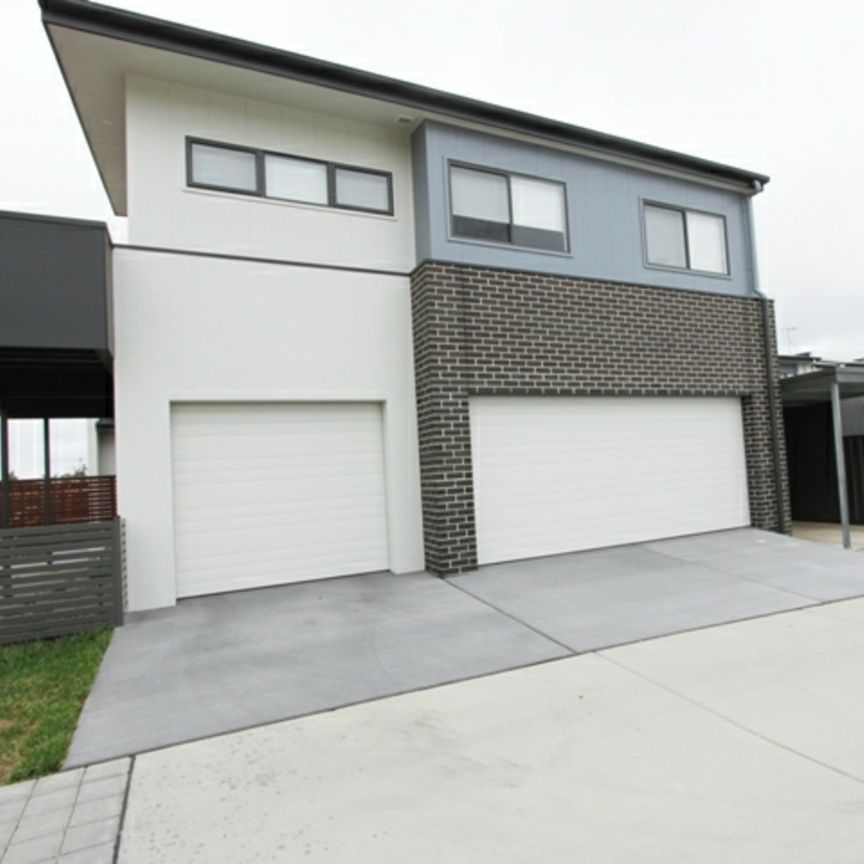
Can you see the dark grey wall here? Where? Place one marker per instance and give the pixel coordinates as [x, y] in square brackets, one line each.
[604, 212]
[54, 284]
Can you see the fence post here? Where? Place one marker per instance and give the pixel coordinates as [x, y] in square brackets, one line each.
[4, 470]
[117, 570]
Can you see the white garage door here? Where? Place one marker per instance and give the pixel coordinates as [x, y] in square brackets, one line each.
[279, 492]
[560, 474]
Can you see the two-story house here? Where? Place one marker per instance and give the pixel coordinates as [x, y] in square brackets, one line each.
[364, 325]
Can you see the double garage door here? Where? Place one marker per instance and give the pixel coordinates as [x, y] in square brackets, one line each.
[561, 474]
[269, 493]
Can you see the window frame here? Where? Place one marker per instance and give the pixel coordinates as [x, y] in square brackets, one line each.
[677, 208]
[239, 148]
[261, 154]
[505, 244]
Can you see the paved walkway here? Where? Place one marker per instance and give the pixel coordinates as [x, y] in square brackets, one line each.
[828, 532]
[229, 662]
[72, 817]
[738, 743]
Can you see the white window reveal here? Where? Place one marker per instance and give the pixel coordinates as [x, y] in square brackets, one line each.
[228, 168]
[508, 208]
[685, 239]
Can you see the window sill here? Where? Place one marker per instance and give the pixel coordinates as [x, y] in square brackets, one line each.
[686, 271]
[296, 205]
[508, 247]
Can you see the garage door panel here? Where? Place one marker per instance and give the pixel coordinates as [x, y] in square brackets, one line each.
[279, 492]
[554, 475]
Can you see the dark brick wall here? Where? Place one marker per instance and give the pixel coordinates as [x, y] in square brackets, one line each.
[479, 331]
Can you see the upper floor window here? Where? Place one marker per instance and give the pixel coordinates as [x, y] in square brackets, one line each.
[508, 208]
[686, 239]
[230, 168]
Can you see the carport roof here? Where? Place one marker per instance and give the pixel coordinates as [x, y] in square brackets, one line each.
[815, 387]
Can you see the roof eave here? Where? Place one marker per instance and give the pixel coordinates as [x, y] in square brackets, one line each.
[157, 33]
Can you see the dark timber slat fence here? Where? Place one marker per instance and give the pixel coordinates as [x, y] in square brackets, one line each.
[59, 579]
[72, 500]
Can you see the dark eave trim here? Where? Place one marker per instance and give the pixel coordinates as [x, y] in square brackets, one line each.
[165, 35]
[55, 220]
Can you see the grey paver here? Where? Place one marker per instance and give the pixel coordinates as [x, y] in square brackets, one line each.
[102, 788]
[55, 782]
[15, 791]
[103, 854]
[106, 769]
[89, 835]
[96, 811]
[33, 851]
[51, 801]
[10, 811]
[41, 824]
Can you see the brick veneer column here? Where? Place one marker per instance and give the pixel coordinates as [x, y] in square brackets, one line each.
[497, 332]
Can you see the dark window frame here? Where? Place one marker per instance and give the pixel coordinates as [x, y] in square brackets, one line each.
[237, 148]
[510, 242]
[260, 177]
[675, 208]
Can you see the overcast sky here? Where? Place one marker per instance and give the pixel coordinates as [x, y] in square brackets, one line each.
[770, 86]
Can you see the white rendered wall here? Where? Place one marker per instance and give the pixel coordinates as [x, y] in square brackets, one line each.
[163, 212]
[197, 328]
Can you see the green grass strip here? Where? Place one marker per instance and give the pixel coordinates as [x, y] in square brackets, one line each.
[43, 686]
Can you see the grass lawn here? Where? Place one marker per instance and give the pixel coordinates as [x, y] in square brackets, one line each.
[42, 688]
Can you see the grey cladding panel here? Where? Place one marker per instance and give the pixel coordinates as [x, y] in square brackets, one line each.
[54, 283]
[604, 203]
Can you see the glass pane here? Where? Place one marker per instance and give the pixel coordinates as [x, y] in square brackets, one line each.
[479, 195]
[538, 204]
[26, 450]
[222, 166]
[295, 179]
[707, 238]
[664, 235]
[73, 448]
[361, 189]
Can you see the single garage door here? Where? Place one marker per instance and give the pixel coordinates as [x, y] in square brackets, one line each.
[276, 492]
[560, 474]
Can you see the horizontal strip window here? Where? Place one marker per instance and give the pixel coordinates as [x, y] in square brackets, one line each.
[229, 168]
[685, 239]
[508, 208]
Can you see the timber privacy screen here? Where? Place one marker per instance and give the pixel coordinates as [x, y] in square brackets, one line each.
[61, 579]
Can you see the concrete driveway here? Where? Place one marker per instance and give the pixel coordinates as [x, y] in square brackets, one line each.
[230, 662]
[738, 743]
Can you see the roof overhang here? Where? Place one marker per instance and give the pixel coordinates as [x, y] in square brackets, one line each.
[815, 387]
[98, 46]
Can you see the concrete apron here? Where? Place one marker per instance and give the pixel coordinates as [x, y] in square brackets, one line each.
[738, 743]
[229, 662]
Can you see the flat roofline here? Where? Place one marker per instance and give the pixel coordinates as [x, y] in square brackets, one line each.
[815, 387]
[127, 26]
[56, 220]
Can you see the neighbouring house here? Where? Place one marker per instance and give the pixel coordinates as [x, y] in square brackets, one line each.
[364, 325]
[60, 542]
[823, 416]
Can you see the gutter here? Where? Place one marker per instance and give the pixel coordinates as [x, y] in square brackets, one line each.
[782, 527]
[156, 33]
